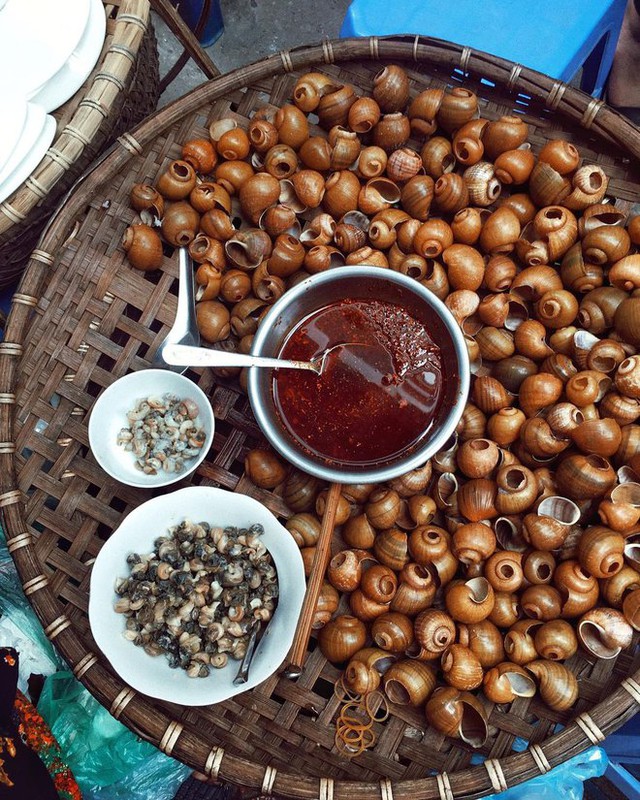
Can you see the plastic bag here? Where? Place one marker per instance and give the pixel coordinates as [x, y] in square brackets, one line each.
[102, 753]
[565, 781]
[20, 627]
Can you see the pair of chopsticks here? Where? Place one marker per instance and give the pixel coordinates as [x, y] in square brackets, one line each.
[321, 558]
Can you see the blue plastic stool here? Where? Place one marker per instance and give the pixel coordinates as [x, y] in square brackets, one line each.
[556, 37]
[212, 26]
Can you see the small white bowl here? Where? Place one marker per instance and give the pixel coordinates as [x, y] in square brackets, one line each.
[152, 675]
[109, 416]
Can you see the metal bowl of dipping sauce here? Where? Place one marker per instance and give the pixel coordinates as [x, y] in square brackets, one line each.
[386, 401]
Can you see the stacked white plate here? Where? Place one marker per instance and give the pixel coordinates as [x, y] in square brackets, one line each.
[47, 51]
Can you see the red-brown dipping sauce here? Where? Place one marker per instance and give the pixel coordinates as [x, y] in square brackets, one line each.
[373, 401]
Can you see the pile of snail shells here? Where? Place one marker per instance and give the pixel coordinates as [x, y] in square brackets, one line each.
[535, 502]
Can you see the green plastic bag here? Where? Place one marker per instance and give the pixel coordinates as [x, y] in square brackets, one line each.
[100, 750]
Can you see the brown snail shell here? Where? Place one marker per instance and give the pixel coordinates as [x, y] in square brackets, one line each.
[604, 632]
[503, 570]
[333, 108]
[557, 685]
[372, 162]
[309, 89]
[305, 528]
[144, 197]
[434, 632]
[213, 320]
[601, 551]
[393, 632]
[506, 133]
[504, 426]
[341, 193]
[341, 638]
[403, 164]
[507, 681]
[457, 714]
[500, 232]
[201, 154]
[589, 184]
[477, 458]
[248, 248]
[280, 161]
[578, 275]
[377, 195]
[456, 107]
[360, 677]
[585, 477]
[292, 125]
[556, 640]
[477, 499]
[265, 469]
[232, 174]
[300, 491]
[500, 270]
[598, 309]
[180, 223]
[391, 88]
[437, 156]
[235, 285]
[485, 640]
[483, 187]
[206, 196]
[538, 566]
[391, 548]
[563, 156]
[344, 571]
[258, 193]
[599, 436]
[217, 224]
[318, 231]
[177, 181]
[519, 642]
[416, 196]
[262, 135]
[469, 601]
[345, 146]
[363, 115]
[326, 606]
[579, 589]
[517, 489]
[422, 111]
[409, 682]
[541, 602]
[412, 482]
[364, 608]
[233, 145]
[557, 309]
[383, 508]
[359, 532]
[315, 153]
[287, 256]
[378, 582]
[392, 131]
[208, 279]
[631, 609]
[143, 246]
[461, 667]
[514, 166]
[416, 590]
[547, 187]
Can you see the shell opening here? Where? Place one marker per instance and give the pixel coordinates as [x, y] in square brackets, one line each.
[473, 727]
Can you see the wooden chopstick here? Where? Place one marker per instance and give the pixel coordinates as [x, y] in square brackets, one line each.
[318, 568]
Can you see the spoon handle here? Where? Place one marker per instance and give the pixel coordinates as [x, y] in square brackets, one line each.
[254, 640]
[186, 355]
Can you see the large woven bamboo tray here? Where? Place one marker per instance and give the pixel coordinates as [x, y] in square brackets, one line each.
[120, 92]
[81, 318]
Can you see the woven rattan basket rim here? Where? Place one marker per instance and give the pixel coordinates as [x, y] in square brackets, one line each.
[109, 79]
[136, 711]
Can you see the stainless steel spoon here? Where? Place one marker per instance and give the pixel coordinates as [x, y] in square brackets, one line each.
[185, 356]
[184, 329]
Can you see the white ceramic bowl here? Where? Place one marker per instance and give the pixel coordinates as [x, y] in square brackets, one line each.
[152, 675]
[109, 416]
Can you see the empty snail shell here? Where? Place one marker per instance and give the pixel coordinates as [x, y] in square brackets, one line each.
[392, 631]
[416, 589]
[422, 111]
[469, 601]
[326, 606]
[507, 681]
[604, 632]
[483, 187]
[342, 637]
[378, 582]
[180, 223]
[519, 642]
[143, 246]
[177, 181]
[461, 667]
[542, 602]
[409, 682]
[434, 631]
[457, 714]
[556, 640]
[557, 685]
[391, 88]
[485, 640]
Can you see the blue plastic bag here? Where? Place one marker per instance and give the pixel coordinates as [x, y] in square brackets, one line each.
[108, 760]
[565, 781]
